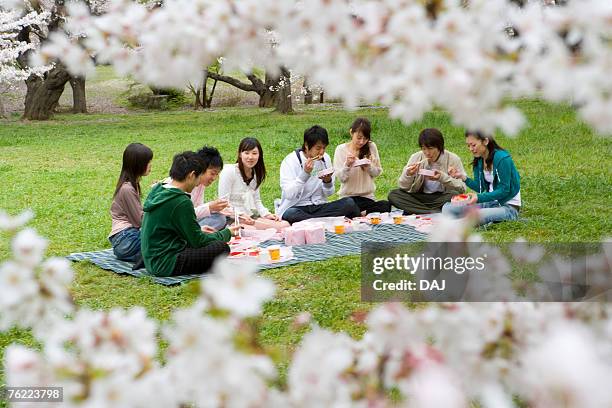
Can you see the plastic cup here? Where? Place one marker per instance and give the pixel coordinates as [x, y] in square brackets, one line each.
[375, 220]
[274, 252]
[398, 219]
[339, 228]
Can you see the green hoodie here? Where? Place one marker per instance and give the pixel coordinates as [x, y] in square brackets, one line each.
[169, 225]
[506, 179]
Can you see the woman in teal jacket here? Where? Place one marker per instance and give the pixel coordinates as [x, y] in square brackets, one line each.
[496, 181]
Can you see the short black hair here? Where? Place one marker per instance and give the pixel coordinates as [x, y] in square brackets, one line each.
[210, 157]
[184, 163]
[313, 135]
[432, 137]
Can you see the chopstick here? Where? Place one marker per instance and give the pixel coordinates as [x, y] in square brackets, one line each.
[237, 220]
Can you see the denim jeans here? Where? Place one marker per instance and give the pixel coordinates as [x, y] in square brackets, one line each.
[489, 212]
[126, 244]
[215, 220]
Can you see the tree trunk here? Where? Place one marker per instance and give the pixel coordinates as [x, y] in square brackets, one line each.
[208, 101]
[3, 114]
[196, 102]
[321, 97]
[202, 102]
[268, 99]
[43, 94]
[79, 100]
[284, 104]
[268, 94]
[308, 94]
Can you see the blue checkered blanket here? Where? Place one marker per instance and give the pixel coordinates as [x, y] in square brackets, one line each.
[336, 245]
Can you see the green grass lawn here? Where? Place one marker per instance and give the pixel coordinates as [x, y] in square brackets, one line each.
[66, 170]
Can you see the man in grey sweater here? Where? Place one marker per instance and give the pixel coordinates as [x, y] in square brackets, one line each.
[425, 185]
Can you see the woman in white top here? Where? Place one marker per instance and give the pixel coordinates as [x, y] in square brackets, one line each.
[357, 164]
[240, 182]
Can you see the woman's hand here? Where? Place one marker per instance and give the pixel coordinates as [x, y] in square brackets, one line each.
[208, 230]
[454, 173]
[473, 198]
[217, 205]
[234, 229]
[350, 159]
[245, 219]
[272, 217]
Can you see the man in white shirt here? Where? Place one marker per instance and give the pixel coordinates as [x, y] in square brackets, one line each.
[304, 192]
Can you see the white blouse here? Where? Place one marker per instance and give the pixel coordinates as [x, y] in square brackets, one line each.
[244, 198]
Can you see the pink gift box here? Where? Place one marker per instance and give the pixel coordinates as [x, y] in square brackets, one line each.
[294, 236]
[315, 234]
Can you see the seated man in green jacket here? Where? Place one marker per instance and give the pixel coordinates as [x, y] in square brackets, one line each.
[172, 241]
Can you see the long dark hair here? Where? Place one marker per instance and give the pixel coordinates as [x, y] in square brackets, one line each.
[363, 125]
[491, 146]
[136, 158]
[250, 143]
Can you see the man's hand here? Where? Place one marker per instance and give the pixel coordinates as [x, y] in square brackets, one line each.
[309, 165]
[412, 169]
[217, 205]
[435, 177]
[327, 179]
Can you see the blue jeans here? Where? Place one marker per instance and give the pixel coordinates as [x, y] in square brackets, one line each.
[215, 220]
[126, 244]
[489, 212]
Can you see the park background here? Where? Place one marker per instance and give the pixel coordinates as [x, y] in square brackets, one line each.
[65, 170]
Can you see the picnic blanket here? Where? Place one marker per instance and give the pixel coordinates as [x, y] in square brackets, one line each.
[336, 245]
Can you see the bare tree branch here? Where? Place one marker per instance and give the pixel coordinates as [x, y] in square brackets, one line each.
[235, 82]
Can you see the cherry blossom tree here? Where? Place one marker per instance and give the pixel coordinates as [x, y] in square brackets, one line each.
[11, 48]
[32, 22]
[409, 55]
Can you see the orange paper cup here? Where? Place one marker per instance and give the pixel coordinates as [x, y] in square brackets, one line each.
[274, 252]
[339, 229]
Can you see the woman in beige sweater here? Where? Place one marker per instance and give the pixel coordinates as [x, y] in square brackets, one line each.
[356, 164]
